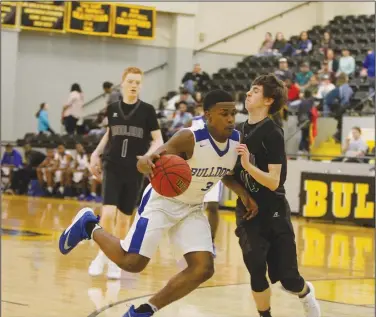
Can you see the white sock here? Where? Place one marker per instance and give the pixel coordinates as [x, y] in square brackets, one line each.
[49, 188]
[95, 228]
[61, 189]
[93, 194]
[154, 308]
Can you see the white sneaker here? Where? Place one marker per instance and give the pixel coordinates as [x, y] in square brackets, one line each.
[310, 303]
[97, 266]
[114, 272]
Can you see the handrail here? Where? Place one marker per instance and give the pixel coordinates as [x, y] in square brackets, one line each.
[252, 27]
[161, 66]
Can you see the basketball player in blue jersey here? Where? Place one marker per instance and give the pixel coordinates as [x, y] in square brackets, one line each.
[211, 153]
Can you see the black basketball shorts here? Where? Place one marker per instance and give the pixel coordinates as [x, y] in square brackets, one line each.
[121, 191]
[269, 239]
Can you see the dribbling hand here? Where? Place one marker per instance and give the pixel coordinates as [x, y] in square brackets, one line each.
[145, 164]
[95, 166]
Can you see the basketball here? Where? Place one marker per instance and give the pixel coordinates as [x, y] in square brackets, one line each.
[172, 176]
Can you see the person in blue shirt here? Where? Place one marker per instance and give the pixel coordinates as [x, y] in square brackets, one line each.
[369, 69]
[12, 159]
[43, 122]
[304, 46]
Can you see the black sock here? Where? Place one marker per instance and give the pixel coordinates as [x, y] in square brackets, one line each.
[144, 308]
[265, 313]
[89, 228]
[306, 293]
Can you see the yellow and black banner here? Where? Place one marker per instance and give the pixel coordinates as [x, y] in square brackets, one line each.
[9, 14]
[335, 197]
[133, 22]
[48, 16]
[91, 18]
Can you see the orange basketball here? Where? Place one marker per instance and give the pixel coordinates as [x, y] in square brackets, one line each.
[172, 176]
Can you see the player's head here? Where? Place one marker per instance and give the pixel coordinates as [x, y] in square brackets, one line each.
[50, 153]
[267, 92]
[356, 133]
[182, 106]
[220, 111]
[80, 148]
[9, 148]
[61, 149]
[131, 82]
[107, 87]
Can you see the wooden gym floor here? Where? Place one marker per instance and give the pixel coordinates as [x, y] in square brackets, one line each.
[38, 281]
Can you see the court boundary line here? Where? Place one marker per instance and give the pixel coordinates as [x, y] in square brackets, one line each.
[14, 303]
[104, 308]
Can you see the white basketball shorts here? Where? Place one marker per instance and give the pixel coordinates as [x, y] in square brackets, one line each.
[186, 225]
[215, 194]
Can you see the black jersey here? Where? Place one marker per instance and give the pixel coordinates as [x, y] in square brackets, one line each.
[265, 142]
[130, 134]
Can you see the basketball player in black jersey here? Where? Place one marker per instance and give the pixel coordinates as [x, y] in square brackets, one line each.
[267, 241]
[132, 123]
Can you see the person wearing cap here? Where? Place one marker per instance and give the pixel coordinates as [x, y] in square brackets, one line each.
[303, 76]
[283, 71]
[325, 87]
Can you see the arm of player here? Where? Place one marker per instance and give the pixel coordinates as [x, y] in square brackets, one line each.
[182, 144]
[270, 179]
[249, 203]
[95, 161]
[156, 142]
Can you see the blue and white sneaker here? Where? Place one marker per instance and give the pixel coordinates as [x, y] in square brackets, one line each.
[131, 313]
[76, 232]
[214, 251]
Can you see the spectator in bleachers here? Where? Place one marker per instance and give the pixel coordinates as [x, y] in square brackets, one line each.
[44, 170]
[325, 71]
[43, 122]
[266, 46]
[292, 89]
[182, 118]
[11, 161]
[195, 80]
[183, 96]
[337, 99]
[280, 45]
[369, 69]
[304, 120]
[325, 87]
[28, 171]
[333, 63]
[114, 94]
[304, 45]
[346, 63]
[355, 148]
[283, 71]
[72, 111]
[79, 174]
[303, 76]
[326, 43]
[313, 85]
[199, 110]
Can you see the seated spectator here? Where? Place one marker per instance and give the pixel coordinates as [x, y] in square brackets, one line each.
[313, 85]
[355, 148]
[292, 90]
[266, 46]
[326, 43]
[337, 99]
[304, 45]
[283, 71]
[280, 45]
[44, 170]
[199, 110]
[333, 63]
[303, 76]
[325, 87]
[79, 174]
[43, 122]
[10, 162]
[114, 94]
[22, 177]
[369, 69]
[325, 71]
[99, 125]
[304, 120]
[346, 63]
[195, 80]
[182, 118]
[183, 96]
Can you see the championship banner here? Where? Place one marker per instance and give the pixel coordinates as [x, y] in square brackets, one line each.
[9, 14]
[47, 16]
[336, 197]
[90, 18]
[133, 22]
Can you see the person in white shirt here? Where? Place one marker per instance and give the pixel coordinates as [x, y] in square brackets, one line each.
[72, 111]
[325, 87]
[354, 149]
[346, 63]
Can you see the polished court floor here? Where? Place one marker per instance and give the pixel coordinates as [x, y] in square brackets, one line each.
[37, 281]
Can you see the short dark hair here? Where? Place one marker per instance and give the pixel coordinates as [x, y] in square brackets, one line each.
[273, 88]
[107, 85]
[8, 146]
[358, 129]
[76, 87]
[215, 96]
[307, 93]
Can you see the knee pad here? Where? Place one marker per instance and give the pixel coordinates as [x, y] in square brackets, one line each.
[257, 268]
[293, 285]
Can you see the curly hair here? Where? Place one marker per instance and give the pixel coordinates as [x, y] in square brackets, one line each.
[273, 88]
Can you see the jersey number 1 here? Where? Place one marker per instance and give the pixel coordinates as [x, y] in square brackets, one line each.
[124, 148]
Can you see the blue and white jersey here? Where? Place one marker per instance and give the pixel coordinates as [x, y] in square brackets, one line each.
[198, 122]
[208, 163]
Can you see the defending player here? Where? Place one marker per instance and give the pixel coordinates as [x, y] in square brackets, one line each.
[132, 123]
[182, 217]
[268, 240]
